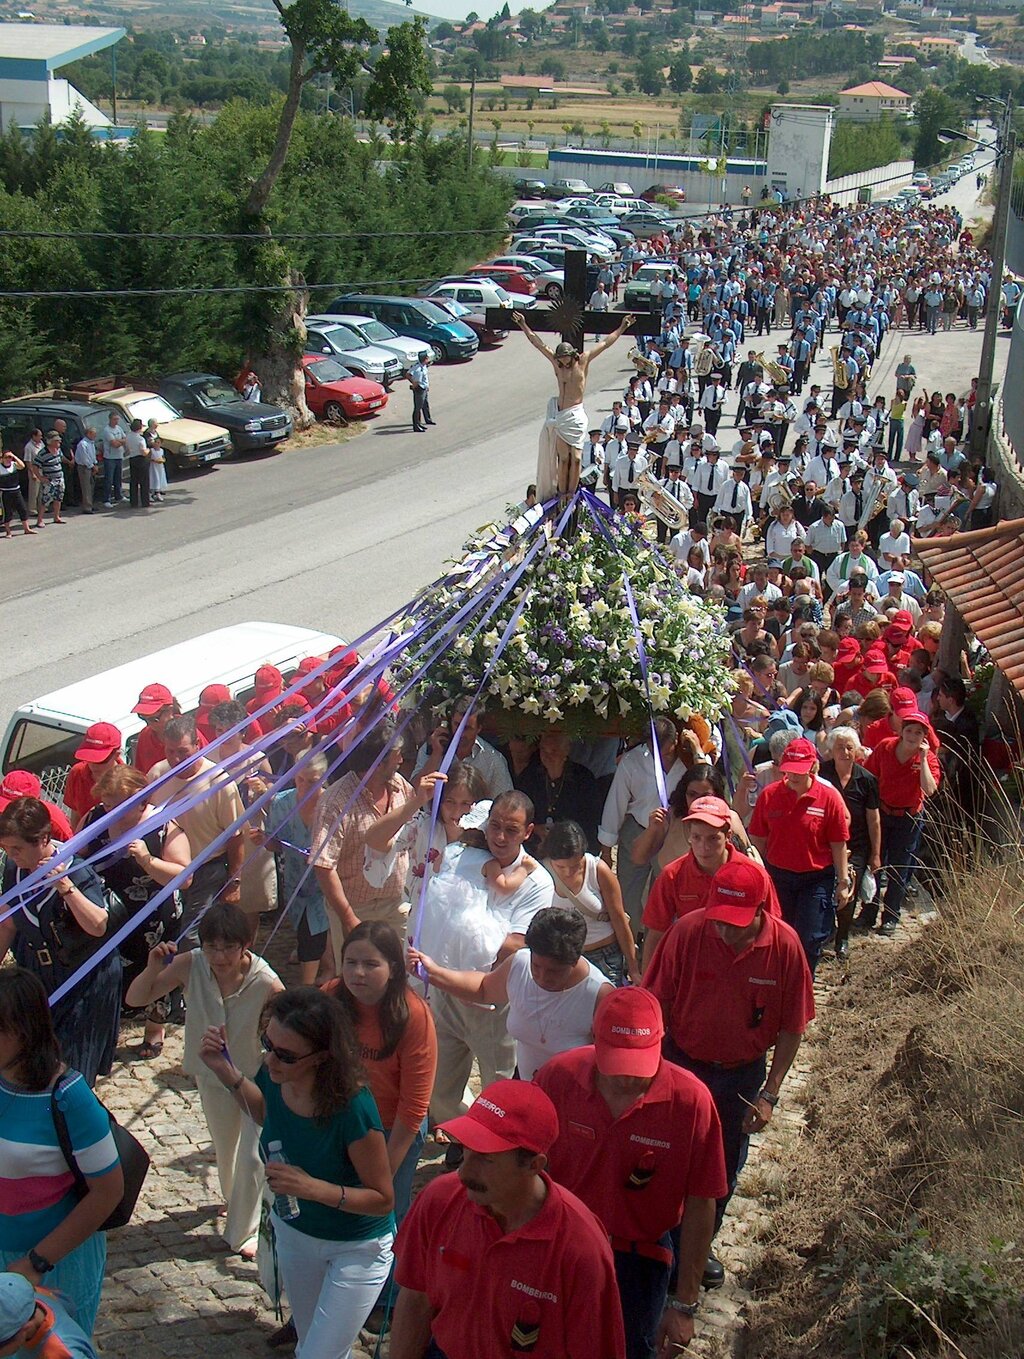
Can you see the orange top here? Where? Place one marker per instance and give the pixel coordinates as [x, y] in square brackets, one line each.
[402, 1083]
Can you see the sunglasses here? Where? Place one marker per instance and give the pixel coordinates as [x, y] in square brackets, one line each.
[285, 1057]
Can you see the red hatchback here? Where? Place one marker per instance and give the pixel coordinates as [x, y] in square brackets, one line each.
[671, 191]
[335, 394]
[512, 279]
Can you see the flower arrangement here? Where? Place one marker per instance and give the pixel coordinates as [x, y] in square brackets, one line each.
[573, 658]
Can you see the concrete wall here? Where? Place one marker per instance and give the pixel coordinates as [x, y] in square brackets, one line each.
[1006, 446]
[884, 180]
[642, 170]
[801, 135]
[25, 102]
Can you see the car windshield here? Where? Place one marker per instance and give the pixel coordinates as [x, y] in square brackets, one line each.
[219, 393]
[376, 330]
[339, 337]
[328, 370]
[432, 312]
[151, 408]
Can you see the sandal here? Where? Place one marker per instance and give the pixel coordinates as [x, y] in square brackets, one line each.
[145, 1052]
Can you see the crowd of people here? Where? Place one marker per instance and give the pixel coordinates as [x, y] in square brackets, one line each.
[630, 979]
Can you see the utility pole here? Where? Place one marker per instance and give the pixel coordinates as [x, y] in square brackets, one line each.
[469, 131]
[1005, 145]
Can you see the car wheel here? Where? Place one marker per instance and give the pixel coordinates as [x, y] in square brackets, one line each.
[334, 413]
[440, 353]
[554, 292]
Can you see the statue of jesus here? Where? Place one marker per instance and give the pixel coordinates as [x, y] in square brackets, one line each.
[565, 427]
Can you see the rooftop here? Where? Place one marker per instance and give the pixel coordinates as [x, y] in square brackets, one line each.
[878, 88]
[983, 574]
[50, 46]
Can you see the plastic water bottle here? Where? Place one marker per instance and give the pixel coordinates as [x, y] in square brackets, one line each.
[286, 1206]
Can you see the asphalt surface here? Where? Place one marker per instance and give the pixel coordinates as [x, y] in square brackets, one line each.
[334, 537]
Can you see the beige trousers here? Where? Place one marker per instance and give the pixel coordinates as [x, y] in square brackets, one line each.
[465, 1032]
[236, 1146]
[395, 913]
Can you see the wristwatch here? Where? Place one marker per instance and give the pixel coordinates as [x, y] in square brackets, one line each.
[768, 1098]
[688, 1309]
[39, 1262]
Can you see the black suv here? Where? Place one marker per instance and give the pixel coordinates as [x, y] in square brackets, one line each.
[204, 396]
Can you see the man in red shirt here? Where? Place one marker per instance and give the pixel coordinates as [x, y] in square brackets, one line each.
[20, 783]
[800, 827]
[908, 772]
[268, 684]
[640, 1143]
[733, 982]
[100, 750]
[685, 884]
[498, 1258]
[156, 706]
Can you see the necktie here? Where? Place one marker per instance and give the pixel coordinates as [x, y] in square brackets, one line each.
[857, 506]
[632, 471]
[735, 494]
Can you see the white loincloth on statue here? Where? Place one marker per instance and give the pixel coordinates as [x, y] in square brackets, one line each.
[571, 427]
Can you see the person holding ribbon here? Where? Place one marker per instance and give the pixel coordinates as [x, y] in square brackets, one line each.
[227, 986]
[57, 923]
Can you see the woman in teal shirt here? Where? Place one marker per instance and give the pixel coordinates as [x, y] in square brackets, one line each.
[309, 1095]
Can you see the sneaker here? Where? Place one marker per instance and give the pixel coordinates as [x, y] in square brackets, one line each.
[714, 1273]
[887, 929]
[843, 951]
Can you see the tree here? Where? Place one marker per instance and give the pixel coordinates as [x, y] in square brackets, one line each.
[454, 97]
[402, 73]
[472, 17]
[443, 31]
[649, 73]
[782, 87]
[708, 81]
[553, 67]
[506, 13]
[680, 77]
[934, 109]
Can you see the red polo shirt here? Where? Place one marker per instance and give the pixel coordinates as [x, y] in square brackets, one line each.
[149, 749]
[899, 785]
[547, 1289]
[711, 996]
[78, 789]
[800, 828]
[682, 887]
[637, 1171]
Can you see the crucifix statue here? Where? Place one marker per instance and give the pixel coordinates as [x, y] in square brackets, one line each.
[566, 426]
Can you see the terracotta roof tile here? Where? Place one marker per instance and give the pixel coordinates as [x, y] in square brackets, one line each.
[983, 574]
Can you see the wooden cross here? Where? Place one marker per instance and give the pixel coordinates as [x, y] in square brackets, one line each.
[570, 318]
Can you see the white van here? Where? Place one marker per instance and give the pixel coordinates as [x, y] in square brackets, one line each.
[43, 736]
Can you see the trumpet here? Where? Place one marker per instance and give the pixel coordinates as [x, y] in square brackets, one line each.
[644, 366]
[661, 503]
[840, 377]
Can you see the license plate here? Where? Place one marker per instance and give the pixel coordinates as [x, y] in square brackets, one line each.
[374, 405]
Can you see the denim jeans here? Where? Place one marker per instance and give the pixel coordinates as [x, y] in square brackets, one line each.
[608, 958]
[901, 836]
[733, 1091]
[643, 1287]
[807, 904]
[112, 479]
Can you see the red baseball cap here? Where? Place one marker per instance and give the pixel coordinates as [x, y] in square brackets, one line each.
[896, 633]
[308, 664]
[798, 757]
[916, 717]
[214, 694]
[269, 680]
[628, 1029]
[903, 618]
[507, 1115]
[18, 783]
[713, 811]
[738, 891]
[294, 709]
[99, 743]
[152, 699]
[903, 701]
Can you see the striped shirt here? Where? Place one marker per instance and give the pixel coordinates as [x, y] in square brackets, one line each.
[36, 1184]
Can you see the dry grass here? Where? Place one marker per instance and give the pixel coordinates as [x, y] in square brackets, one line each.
[914, 1123]
[319, 434]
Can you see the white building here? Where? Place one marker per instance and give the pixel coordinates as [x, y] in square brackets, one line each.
[29, 56]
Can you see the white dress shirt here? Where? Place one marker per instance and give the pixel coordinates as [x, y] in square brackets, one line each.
[634, 792]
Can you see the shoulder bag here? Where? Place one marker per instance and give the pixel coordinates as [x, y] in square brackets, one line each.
[132, 1154]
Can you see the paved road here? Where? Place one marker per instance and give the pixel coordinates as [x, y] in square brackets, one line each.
[334, 537]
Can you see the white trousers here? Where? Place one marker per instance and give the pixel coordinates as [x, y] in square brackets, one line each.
[331, 1286]
[465, 1032]
[239, 1168]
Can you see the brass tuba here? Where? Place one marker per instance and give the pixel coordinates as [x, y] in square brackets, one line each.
[774, 370]
[704, 360]
[662, 503]
[840, 377]
[644, 366]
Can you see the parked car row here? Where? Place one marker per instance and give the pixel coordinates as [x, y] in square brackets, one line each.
[565, 188]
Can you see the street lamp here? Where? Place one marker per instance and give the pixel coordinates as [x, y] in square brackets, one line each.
[1005, 147]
